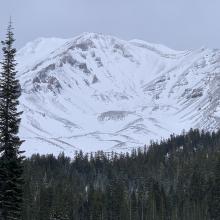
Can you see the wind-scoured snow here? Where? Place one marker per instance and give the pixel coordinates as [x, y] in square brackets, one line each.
[97, 92]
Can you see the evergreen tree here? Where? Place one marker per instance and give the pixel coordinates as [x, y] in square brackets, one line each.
[215, 198]
[11, 159]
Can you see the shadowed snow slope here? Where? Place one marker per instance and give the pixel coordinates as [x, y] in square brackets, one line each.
[97, 92]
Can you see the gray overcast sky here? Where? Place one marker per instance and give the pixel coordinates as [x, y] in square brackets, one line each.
[179, 24]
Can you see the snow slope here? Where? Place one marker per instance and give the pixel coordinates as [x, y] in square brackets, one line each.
[97, 92]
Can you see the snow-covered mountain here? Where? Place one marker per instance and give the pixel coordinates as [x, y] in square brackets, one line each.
[97, 92]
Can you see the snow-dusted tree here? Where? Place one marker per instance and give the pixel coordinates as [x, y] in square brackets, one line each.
[11, 159]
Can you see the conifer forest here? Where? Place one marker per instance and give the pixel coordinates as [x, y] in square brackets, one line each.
[176, 179]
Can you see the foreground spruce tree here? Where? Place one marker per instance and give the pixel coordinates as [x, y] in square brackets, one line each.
[11, 168]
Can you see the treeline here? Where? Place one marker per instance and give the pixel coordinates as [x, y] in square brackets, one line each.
[176, 179]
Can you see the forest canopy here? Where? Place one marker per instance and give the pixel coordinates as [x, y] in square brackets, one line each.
[178, 178]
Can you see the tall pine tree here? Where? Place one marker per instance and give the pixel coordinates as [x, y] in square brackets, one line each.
[11, 159]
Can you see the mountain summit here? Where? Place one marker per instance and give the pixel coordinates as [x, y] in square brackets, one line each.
[97, 92]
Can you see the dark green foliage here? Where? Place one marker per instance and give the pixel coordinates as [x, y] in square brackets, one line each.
[177, 179]
[58, 215]
[10, 156]
[215, 194]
